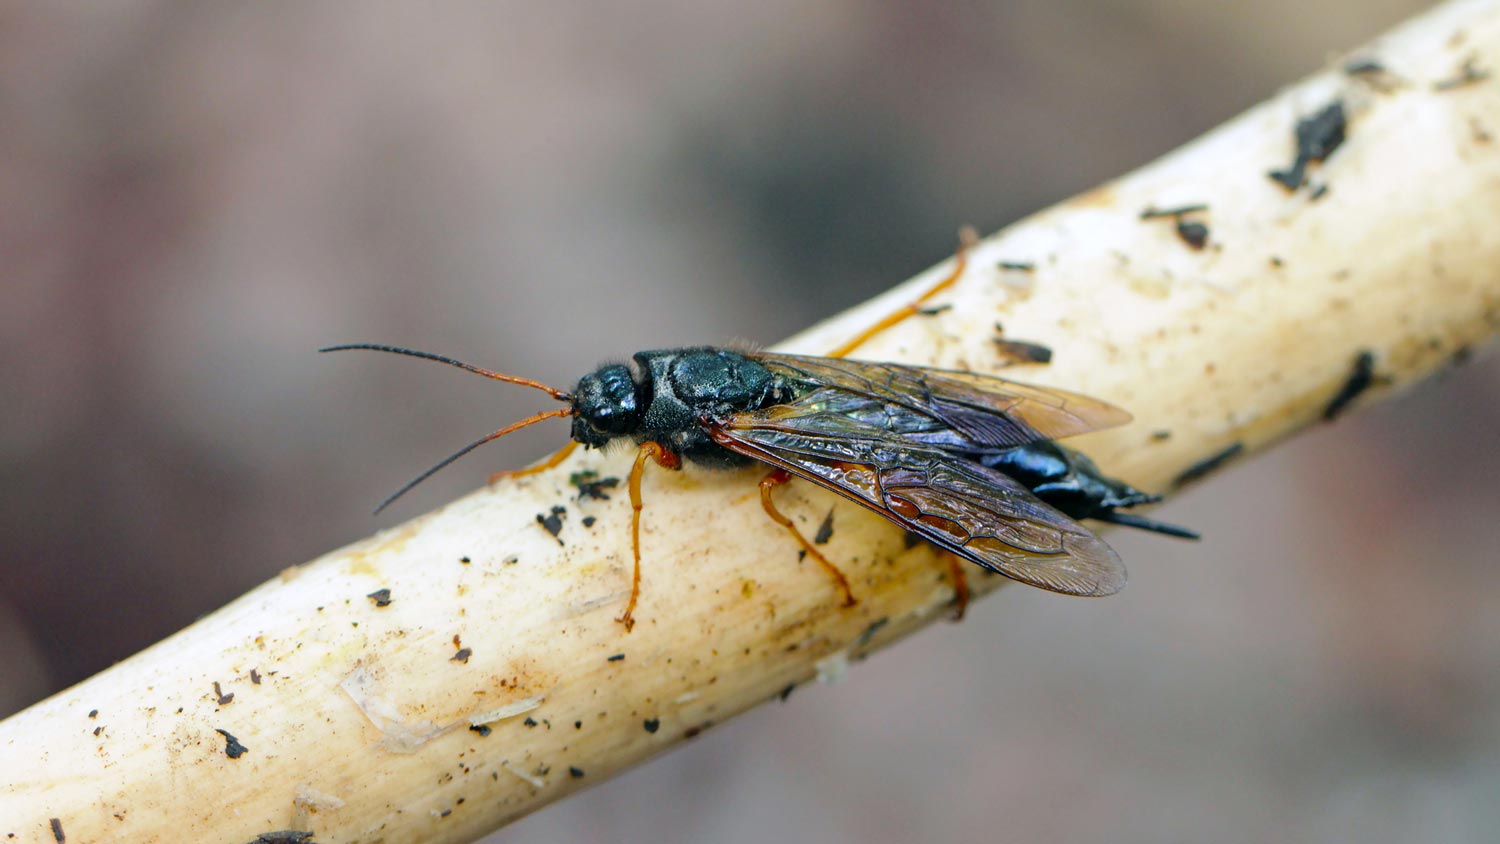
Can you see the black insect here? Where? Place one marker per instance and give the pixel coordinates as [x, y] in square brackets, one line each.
[961, 459]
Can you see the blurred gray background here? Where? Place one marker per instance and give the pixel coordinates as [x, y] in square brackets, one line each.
[193, 197]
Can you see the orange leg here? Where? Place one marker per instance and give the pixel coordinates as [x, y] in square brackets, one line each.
[960, 585]
[649, 451]
[770, 482]
[966, 240]
[558, 457]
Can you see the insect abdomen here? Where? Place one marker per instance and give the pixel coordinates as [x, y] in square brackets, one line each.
[1066, 479]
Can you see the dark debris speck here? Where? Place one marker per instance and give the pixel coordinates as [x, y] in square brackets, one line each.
[283, 836]
[825, 530]
[1154, 213]
[381, 597]
[57, 830]
[1361, 378]
[529, 722]
[575, 772]
[552, 522]
[462, 655]
[1209, 464]
[591, 486]
[254, 677]
[93, 713]
[1468, 74]
[1021, 351]
[651, 724]
[616, 658]
[482, 729]
[1193, 234]
[1317, 136]
[588, 521]
[869, 632]
[232, 747]
[1374, 73]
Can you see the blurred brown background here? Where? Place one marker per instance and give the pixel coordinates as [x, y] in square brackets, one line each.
[194, 197]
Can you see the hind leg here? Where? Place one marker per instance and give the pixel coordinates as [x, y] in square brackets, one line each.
[967, 238]
[960, 585]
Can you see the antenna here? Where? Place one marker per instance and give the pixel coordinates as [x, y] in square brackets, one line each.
[516, 426]
[498, 376]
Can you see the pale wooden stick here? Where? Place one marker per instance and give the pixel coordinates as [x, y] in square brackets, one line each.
[355, 717]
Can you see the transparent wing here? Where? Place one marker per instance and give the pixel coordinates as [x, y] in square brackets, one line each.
[957, 504]
[954, 410]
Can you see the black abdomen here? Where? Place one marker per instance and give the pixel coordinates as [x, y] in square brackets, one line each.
[1066, 479]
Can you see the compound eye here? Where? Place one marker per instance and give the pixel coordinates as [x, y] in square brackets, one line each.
[609, 418]
[618, 414]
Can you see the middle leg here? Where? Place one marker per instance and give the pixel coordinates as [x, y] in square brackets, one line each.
[777, 478]
[967, 239]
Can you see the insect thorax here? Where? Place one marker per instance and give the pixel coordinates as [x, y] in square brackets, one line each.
[686, 388]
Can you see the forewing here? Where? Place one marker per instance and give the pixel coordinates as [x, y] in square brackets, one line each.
[959, 505]
[987, 517]
[989, 412]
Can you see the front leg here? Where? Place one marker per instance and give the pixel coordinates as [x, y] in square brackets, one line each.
[649, 451]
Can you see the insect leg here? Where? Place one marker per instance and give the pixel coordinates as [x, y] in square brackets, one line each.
[559, 456]
[960, 585]
[967, 238]
[777, 478]
[663, 457]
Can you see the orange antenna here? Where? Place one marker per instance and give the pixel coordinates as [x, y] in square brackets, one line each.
[498, 376]
[530, 420]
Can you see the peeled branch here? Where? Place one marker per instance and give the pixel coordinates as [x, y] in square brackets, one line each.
[463, 669]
